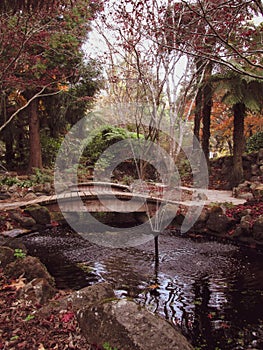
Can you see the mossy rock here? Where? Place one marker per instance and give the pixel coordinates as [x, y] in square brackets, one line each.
[40, 214]
[6, 256]
[30, 267]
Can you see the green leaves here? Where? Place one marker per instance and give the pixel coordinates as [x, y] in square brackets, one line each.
[19, 254]
[255, 142]
[29, 318]
[106, 346]
[102, 139]
[239, 88]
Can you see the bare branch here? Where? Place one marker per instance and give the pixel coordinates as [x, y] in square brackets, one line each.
[37, 95]
[233, 51]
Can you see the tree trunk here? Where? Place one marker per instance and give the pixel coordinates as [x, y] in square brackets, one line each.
[238, 143]
[198, 106]
[198, 113]
[206, 121]
[206, 112]
[35, 156]
[9, 150]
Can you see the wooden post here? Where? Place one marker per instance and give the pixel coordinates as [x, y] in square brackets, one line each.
[156, 249]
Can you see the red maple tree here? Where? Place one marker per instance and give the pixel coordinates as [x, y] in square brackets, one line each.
[40, 53]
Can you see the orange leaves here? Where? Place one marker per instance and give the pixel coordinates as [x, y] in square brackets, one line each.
[222, 121]
[63, 87]
[16, 98]
[153, 287]
[16, 284]
[253, 124]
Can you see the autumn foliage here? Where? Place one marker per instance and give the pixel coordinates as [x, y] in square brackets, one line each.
[41, 54]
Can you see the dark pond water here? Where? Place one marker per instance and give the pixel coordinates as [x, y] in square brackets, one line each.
[212, 291]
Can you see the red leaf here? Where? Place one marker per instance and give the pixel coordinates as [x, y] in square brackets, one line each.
[54, 223]
[68, 316]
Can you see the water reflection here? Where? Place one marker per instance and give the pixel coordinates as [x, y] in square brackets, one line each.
[213, 311]
[212, 292]
[213, 314]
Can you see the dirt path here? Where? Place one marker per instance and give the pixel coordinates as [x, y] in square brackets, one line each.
[215, 196]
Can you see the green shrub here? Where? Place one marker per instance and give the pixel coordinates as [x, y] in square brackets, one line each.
[255, 142]
[9, 181]
[184, 168]
[39, 177]
[50, 147]
[104, 138]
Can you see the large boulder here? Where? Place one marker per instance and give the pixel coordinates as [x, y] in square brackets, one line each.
[243, 229]
[30, 267]
[17, 243]
[90, 295]
[123, 324]
[257, 229]
[245, 224]
[85, 297]
[258, 191]
[40, 214]
[178, 220]
[238, 232]
[24, 221]
[217, 221]
[38, 291]
[126, 325]
[243, 191]
[200, 223]
[6, 256]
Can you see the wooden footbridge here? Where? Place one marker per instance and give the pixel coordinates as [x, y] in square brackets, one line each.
[112, 197]
[102, 197]
[96, 197]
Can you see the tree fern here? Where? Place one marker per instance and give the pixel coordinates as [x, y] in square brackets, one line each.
[243, 94]
[238, 88]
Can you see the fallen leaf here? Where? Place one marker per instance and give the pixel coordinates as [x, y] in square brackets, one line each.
[68, 316]
[153, 286]
[54, 223]
[16, 284]
[225, 325]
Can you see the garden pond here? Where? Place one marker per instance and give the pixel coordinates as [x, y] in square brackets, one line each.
[212, 291]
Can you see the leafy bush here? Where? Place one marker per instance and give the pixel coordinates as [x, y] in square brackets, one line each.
[40, 177]
[184, 168]
[104, 138]
[50, 147]
[255, 142]
[9, 181]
